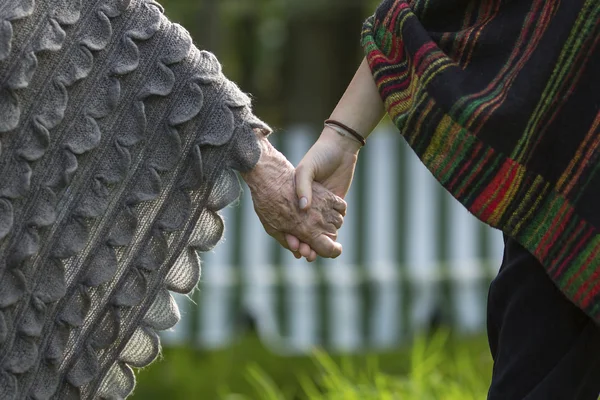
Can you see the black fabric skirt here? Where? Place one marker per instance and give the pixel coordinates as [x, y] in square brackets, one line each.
[543, 346]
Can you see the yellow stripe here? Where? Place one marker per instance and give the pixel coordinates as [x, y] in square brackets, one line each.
[508, 196]
[436, 141]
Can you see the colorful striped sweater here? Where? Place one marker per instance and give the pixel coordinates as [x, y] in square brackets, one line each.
[500, 99]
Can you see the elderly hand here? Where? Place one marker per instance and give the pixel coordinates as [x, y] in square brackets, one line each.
[271, 184]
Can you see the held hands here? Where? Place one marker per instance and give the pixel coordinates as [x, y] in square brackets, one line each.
[271, 184]
[330, 162]
[325, 171]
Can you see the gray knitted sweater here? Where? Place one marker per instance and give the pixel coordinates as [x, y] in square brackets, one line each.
[118, 143]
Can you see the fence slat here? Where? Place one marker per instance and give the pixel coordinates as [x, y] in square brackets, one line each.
[300, 277]
[496, 247]
[216, 319]
[381, 256]
[423, 222]
[344, 303]
[466, 269]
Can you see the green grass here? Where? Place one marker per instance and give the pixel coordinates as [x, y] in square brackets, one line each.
[438, 368]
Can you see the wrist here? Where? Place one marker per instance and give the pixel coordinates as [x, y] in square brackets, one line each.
[270, 163]
[251, 176]
[361, 106]
[345, 143]
[345, 130]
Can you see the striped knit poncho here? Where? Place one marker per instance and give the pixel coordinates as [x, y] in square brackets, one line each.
[500, 99]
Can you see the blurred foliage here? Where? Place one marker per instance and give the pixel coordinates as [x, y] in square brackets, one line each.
[435, 374]
[294, 56]
[440, 367]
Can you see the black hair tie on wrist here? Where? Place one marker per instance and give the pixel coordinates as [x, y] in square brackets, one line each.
[347, 129]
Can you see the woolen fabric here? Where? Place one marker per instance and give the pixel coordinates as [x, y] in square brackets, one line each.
[500, 99]
[119, 140]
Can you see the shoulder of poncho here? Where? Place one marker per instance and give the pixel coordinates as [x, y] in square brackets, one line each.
[119, 145]
[484, 97]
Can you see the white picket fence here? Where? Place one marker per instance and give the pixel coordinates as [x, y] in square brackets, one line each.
[411, 254]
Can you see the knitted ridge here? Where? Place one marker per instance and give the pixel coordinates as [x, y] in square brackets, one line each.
[20, 349]
[83, 364]
[9, 13]
[16, 74]
[119, 199]
[48, 35]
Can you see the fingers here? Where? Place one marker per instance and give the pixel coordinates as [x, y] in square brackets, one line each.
[299, 249]
[340, 205]
[304, 177]
[281, 239]
[292, 242]
[337, 221]
[285, 240]
[305, 250]
[326, 247]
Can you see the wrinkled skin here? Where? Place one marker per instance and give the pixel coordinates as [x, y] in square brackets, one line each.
[330, 162]
[273, 190]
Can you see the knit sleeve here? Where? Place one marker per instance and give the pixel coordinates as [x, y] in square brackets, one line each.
[119, 145]
[499, 99]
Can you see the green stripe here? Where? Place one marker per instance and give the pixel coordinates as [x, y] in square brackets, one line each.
[579, 262]
[472, 171]
[456, 159]
[540, 221]
[556, 250]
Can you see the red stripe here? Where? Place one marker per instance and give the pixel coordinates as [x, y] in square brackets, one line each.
[564, 248]
[579, 272]
[419, 54]
[584, 286]
[476, 151]
[377, 58]
[489, 154]
[595, 289]
[430, 60]
[399, 6]
[401, 100]
[495, 190]
[402, 85]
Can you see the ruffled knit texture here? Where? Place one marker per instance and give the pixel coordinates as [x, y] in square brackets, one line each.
[119, 141]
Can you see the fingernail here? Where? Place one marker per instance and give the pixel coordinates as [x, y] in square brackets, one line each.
[303, 202]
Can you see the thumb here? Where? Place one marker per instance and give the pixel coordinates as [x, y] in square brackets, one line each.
[304, 178]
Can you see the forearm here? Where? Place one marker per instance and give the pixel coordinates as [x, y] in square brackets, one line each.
[361, 107]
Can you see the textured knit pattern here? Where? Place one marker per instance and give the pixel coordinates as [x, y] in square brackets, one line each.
[118, 143]
[500, 99]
